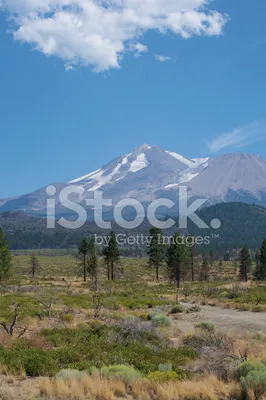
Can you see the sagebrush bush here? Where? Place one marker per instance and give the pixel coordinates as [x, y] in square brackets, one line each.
[70, 374]
[67, 317]
[160, 320]
[256, 381]
[153, 313]
[249, 366]
[206, 326]
[178, 308]
[126, 373]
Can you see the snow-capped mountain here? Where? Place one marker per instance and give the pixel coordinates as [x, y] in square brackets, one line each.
[141, 174]
[148, 173]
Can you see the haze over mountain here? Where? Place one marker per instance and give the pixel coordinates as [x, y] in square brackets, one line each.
[149, 173]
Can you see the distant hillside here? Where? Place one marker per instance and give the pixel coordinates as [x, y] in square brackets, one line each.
[240, 224]
[28, 232]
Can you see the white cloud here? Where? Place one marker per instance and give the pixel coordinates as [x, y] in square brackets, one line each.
[139, 49]
[160, 58]
[100, 32]
[239, 137]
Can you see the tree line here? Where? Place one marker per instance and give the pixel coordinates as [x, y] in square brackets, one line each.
[178, 258]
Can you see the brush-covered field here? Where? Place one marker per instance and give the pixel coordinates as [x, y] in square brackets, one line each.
[132, 338]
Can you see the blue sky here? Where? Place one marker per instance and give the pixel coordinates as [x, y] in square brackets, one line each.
[64, 116]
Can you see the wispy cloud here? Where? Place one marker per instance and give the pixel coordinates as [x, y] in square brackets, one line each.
[161, 58]
[239, 137]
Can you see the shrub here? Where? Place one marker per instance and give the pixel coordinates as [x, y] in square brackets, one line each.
[243, 307]
[66, 356]
[258, 309]
[35, 362]
[67, 317]
[193, 309]
[124, 372]
[153, 313]
[158, 319]
[256, 381]
[187, 290]
[210, 291]
[248, 366]
[234, 292]
[178, 308]
[260, 336]
[101, 345]
[159, 376]
[206, 326]
[132, 328]
[70, 374]
[161, 320]
[165, 367]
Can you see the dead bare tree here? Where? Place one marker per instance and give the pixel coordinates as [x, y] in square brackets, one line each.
[9, 328]
[46, 300]
[34, 265]
[69, 287]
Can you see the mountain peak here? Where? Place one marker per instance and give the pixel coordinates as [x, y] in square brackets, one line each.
[143, 147]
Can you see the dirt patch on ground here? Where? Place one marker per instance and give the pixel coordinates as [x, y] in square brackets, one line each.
[225, 319]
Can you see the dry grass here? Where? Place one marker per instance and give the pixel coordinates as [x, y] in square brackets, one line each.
[96, 387]
[90, 387]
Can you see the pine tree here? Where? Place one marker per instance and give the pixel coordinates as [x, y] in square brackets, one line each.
[176, 258]
[5, 257]
[260, 271]
[34, 265]
[245, 263]
[111, 255]
[191, 254]
[156, 250]
[92, 262]
[205, 270]
[83, 250]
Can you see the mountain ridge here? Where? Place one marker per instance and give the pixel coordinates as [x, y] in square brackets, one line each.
[149, 173]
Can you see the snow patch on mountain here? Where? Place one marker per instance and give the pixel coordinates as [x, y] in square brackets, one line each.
[138, 164]
[185, 177]
[92, 175]
[103, 176]
[200, 161]
[193, 163]
[182, 159]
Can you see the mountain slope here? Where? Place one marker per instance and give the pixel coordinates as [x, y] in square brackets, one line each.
[138, 175]
[27, 232]
[232, 173]
[241, 224]
[149, 173]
